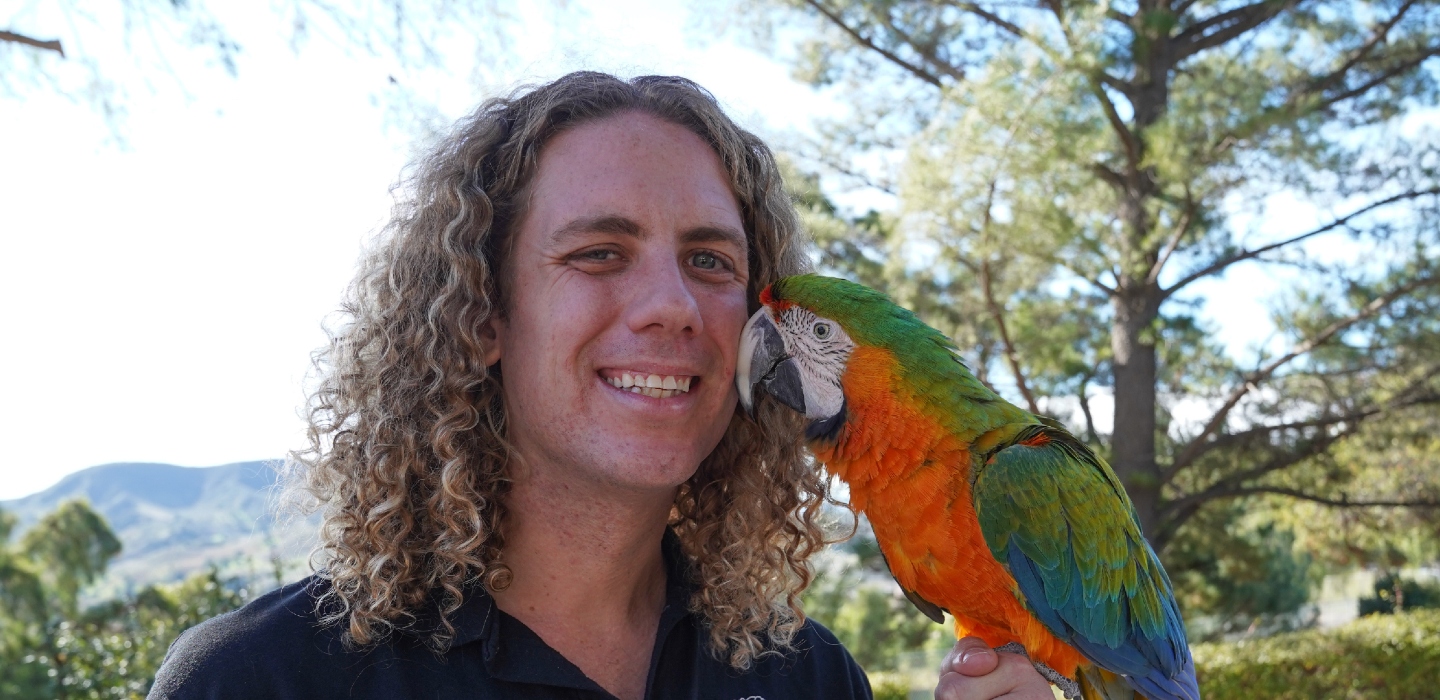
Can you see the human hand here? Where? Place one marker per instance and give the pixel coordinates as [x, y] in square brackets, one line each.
[974, 671]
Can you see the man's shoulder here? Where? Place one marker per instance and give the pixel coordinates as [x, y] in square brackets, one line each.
[818, 666]
[817, 645]
[223, 656]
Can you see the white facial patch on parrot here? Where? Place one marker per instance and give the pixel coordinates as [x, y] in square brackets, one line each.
[821, 348]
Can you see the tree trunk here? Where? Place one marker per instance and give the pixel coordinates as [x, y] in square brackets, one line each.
[1132, 446]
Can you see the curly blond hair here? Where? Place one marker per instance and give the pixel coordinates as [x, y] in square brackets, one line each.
[408, 458]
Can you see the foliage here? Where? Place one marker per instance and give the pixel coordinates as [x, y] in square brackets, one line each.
[49, 648]
[1395, 657]
[1412, 595]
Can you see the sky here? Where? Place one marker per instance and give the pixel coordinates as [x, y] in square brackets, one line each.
[164, 294]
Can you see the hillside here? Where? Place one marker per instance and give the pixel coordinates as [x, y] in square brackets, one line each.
[174, 521]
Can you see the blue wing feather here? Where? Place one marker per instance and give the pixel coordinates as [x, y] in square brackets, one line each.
[1099, 587]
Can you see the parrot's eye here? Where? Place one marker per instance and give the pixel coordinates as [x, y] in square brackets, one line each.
[822, 330]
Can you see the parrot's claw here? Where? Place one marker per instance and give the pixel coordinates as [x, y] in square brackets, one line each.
[1069, 687]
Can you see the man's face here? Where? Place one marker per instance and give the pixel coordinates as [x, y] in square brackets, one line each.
[630, 267]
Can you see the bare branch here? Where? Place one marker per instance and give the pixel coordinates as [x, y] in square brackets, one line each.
[997, 314]
[1012, 357]
[1232, 24]
[1173, 243]
[1389, 73]
[926, 52]
[1085, 409]
[1223, 263]
[1376, 38]
[1342, 502]
[1127, 138]
[53, 45]
[1249, 381]
[992, 18]
[861, 39]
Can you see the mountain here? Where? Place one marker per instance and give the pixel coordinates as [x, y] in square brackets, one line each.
[175, 521]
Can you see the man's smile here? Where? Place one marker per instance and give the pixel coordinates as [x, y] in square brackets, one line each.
[654, 385]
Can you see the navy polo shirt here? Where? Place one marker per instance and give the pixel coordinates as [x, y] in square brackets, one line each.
[275, 647]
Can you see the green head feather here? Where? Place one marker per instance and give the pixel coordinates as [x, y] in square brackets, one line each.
[929, 363]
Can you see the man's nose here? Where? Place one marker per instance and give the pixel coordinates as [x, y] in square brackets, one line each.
[661, 297]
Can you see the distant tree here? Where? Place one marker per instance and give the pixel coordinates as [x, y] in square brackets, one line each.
[51, 648]
[1067, 172]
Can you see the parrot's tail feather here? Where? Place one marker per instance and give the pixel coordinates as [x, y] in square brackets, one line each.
[1098, 684]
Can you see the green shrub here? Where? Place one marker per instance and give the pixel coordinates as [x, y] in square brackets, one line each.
[1395, 657]
[1417, 595]
[889, 686]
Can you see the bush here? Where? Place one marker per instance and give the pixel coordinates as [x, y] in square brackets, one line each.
[1416, 595]
[1395, 657]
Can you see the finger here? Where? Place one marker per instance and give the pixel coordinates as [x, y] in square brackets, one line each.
[971, 656]
[1010, 676]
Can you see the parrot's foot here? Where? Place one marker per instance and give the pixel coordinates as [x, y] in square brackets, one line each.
[1069, 687]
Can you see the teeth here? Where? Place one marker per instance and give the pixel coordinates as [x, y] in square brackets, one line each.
[653, 385]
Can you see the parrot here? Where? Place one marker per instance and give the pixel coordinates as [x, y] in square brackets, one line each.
[982, 510]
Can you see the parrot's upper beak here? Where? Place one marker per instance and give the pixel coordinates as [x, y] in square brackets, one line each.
[763, 362]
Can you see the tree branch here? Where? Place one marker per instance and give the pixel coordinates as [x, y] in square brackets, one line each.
[53, 45]
[1011, 356]
[859, 38]
[1231, 24]
[1195, 446]
[926, 52]
[1389, 73]
[1085, 409]
[996, 313]
[1127, 138]
[1342, 502]
[1376, 38]
[1173, 243]
[1223, 263]
[993, 18]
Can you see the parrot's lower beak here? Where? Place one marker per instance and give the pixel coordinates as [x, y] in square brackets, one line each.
[763, 362]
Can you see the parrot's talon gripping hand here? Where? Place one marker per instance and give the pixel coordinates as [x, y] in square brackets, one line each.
[1069, 686]
[999, 517]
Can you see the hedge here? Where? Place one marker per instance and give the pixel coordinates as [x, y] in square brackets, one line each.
[1395, 657]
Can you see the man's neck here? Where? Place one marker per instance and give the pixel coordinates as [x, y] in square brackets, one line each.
[588, 574]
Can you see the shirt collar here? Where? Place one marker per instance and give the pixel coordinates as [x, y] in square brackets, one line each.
[513, 652]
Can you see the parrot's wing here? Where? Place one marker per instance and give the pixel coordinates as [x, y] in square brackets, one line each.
[929, 609]
[1058, 518]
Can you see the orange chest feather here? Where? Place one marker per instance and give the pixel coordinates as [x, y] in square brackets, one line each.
[911, 478]
[887, 438]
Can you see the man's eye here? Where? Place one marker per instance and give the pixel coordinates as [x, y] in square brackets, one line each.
[705, 261]
[597, 255]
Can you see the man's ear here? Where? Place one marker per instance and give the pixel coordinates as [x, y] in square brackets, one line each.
[491, 333]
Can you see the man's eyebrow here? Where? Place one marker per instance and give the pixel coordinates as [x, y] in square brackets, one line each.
[605, 223]
[712, 234]
[614, 223]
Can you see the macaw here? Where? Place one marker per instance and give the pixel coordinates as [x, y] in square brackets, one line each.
[982, 510]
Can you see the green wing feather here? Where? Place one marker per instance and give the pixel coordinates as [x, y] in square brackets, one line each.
[1057, 517]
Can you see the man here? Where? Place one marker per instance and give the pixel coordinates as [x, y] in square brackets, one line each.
[533, 476]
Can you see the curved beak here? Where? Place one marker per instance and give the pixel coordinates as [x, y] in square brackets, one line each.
[764, 363]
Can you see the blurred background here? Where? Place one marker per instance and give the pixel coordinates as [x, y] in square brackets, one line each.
[1202, 234]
